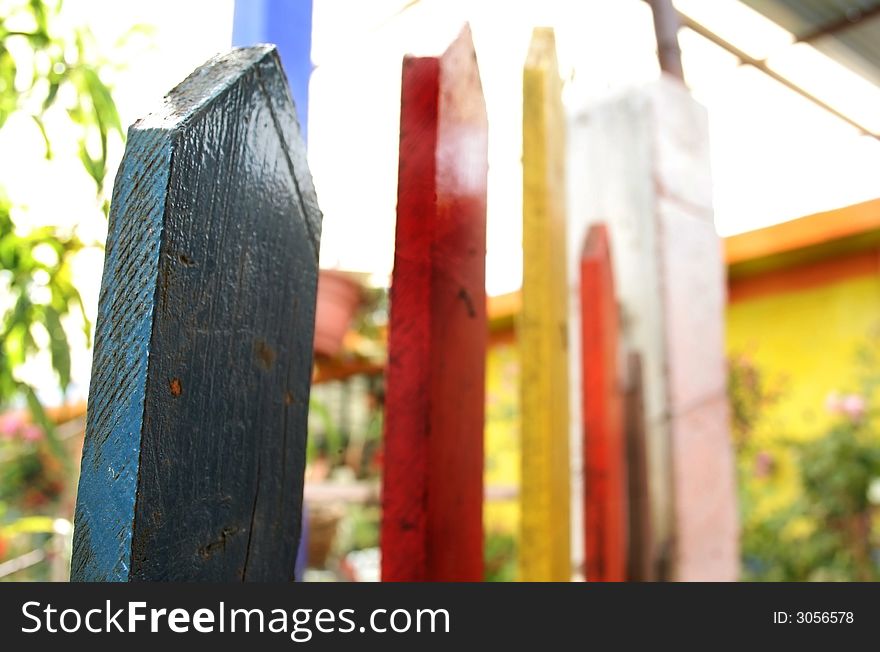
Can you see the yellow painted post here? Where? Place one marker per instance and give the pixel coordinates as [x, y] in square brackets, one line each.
[545, 548]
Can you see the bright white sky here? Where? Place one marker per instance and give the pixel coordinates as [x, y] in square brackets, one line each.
[775, 155]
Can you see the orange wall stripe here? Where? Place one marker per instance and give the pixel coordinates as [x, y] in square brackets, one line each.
[803, 232]
[802, 277]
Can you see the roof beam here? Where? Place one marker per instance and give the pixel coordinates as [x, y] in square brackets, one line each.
[843, 23]
[759, 64]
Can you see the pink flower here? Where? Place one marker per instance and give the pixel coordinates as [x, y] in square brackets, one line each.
[764, 464]
[14, 426]
[10, 424]
[853, 406]
[30, 432]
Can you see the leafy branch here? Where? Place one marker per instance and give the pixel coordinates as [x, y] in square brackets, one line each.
[46, 69]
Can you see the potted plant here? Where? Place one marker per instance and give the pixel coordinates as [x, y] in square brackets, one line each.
[339, 296]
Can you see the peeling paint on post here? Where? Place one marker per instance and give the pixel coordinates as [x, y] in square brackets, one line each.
[433, 470]
[545, 545]
[193, 460]
[604, 447]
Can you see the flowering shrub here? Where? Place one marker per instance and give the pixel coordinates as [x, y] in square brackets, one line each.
[826, 531]
[14, 426]
[33, 476]
[33, 480]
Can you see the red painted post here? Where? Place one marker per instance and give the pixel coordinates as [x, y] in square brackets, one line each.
[432, 523]
[605, 513]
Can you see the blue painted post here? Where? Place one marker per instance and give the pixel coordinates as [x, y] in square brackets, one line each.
[288, 25]
[195, 441]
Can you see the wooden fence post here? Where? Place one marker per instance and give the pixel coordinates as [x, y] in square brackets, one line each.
[433, 470]
[545, 545]
[642, 165]
[195, 443]
[641, 566]
[604, 448]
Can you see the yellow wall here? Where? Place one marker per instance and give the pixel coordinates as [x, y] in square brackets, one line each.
[502, 436]
[805, 344]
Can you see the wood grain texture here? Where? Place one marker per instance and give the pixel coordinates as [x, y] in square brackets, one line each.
[195, 442]
[604, 447]
[433, 475]
[545, 548]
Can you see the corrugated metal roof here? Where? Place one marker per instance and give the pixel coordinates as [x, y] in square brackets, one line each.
[845, 30]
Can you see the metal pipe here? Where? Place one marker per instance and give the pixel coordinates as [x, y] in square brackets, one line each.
[764, 68]
[666, 25]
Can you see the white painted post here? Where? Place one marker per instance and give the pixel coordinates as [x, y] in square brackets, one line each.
[640, 162]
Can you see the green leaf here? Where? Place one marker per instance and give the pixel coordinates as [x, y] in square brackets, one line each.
[39, 415]
[38, 9]
[58, 346]
[42, 127]
[54, 85]
[8, 93]
[20, 315]
[93, 166]
[102, 100]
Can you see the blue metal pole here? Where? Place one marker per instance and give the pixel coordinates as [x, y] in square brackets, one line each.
[287, 24]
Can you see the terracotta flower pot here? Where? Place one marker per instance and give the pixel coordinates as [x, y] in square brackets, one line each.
[339, 296]
[323, 525]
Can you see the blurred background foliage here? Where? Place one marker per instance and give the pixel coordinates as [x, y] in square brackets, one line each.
[808, 507]
[47, 70]
[43, 70]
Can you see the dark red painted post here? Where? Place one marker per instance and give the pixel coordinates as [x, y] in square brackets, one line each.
[641, 565]
[433, 475]
[605, 513]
